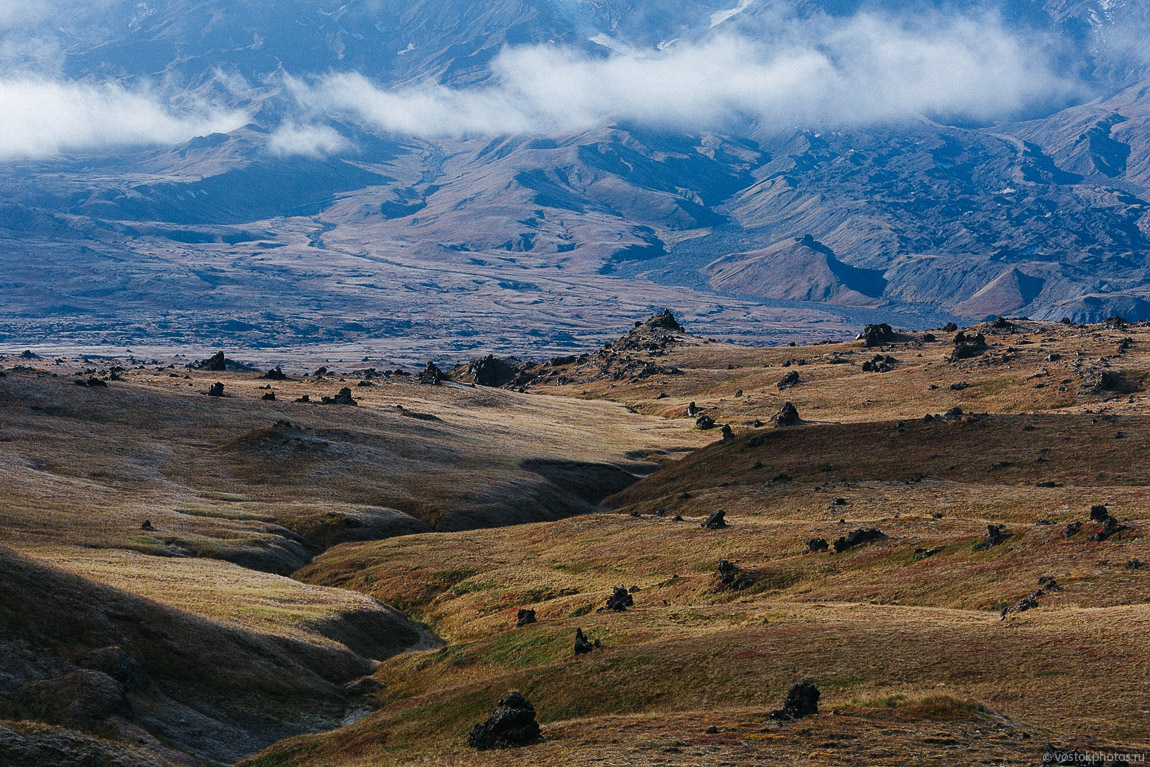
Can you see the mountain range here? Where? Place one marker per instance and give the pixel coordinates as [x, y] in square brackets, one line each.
[436, 178]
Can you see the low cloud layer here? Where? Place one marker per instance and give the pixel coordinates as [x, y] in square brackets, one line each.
[293, 140]
[827, 73]
[44, 118]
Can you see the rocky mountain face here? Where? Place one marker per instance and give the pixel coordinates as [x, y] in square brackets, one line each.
[917, 220]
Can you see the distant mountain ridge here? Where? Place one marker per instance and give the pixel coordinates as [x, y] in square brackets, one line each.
[929, 218]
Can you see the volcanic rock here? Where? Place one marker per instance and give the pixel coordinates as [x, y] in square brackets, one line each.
[620, 600]
[665, 319]
[879, 364]
[715, 521]
[704, 422]
[524, 617]
[217, 363]
[493, 371]
[275, 374]
[876, 335]
[995, 535]
[1114, 322]
[788, 415]
[816, 545]
[967, 346]
[343, 398]
[1028, 603]
[789, 380]
[582, 646]
[1111, 381]
[857, 538]
[802, 700]
[431, 375]
[1110, 526]
[510, 726]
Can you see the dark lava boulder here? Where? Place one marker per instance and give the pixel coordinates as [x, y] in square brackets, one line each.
[858, 538]
[995, 535]
[620, 599]
[431, 375]
[275, 374]
[715, 521]
[1116, 322]
[1028, 603]
[816, 545]
[343, 398]
[879, 364]
[1110, 526]
[665, 319]
[524, 618]
[1111, 381]
[582, 645]
[491, 371]
[789, 380]
[802, 700]
[968, 346]
[876, 335]
[704, 422]
[217, 363]
[788, 415]
[510, 726]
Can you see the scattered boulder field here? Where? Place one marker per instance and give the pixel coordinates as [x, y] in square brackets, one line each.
[920, 545]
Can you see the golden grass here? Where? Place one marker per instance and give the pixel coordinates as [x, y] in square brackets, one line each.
[909, 650]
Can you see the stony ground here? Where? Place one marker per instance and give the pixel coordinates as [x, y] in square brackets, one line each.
[505, 500]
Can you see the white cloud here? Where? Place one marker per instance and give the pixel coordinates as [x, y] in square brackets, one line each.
[44, 118]
[306, 141]
[823, 72]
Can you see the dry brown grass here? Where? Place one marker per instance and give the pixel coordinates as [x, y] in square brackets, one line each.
[1005, 379]
[910, 651]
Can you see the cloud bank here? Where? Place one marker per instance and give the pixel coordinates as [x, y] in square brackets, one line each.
[824, 73]
[43, 118]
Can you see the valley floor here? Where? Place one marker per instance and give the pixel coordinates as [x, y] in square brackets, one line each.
[190, 579]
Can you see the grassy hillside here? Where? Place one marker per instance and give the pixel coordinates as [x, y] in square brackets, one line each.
[905, 636]
[152, 526]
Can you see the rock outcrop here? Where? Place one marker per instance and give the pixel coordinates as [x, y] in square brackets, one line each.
[511, 725]
[802, 701]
